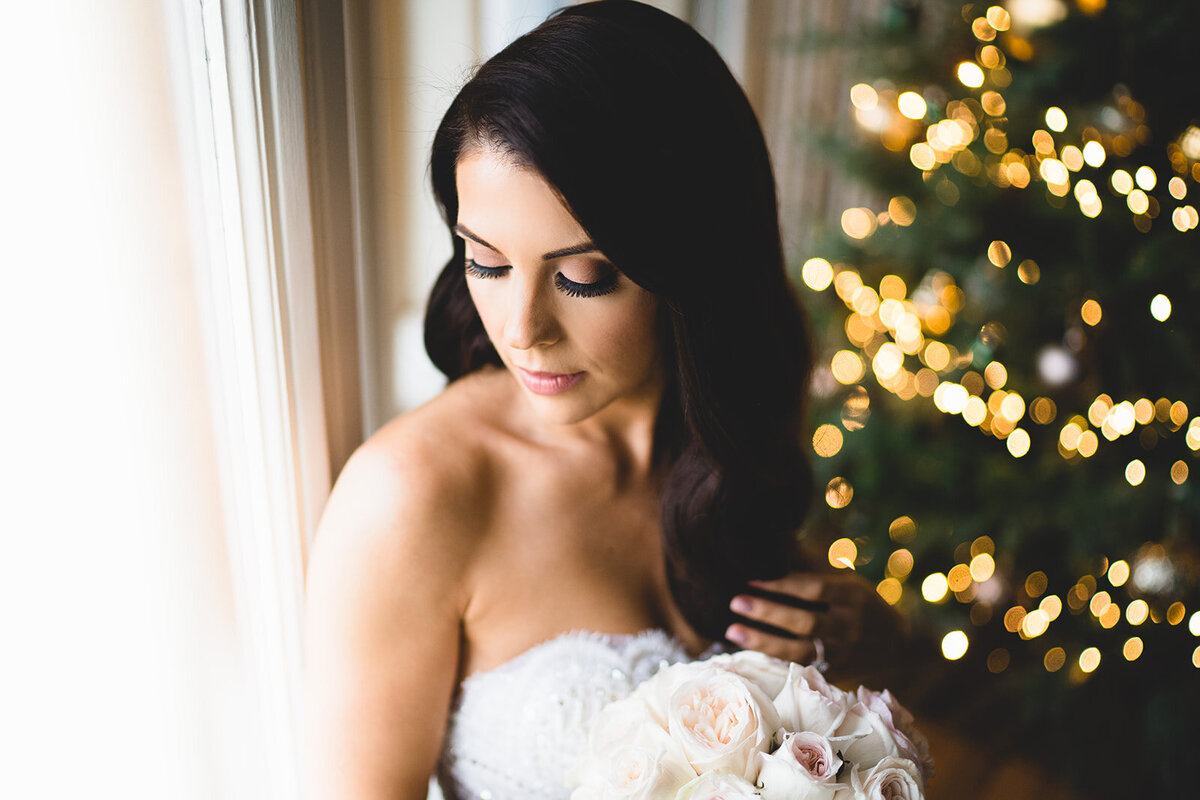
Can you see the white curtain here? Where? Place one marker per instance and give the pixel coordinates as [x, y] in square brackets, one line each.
[161, 456]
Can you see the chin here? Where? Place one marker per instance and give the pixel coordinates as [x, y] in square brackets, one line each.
[561, 409]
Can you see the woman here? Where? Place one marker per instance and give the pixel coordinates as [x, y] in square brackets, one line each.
[619, 452]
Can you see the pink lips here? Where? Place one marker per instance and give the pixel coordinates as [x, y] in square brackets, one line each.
[549, 382]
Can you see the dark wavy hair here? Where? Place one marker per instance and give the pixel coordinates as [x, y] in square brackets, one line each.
[634, 119]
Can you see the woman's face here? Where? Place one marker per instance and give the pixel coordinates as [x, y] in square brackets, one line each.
[577, 334]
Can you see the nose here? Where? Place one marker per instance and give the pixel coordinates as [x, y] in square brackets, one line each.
[531, 321]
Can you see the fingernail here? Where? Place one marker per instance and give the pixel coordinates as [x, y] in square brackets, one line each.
[735, 634]
[740, 604]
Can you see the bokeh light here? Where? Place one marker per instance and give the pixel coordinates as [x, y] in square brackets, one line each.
[817, 274]
[858, 223]
[842, 553]
[954, 645]
[934, 587]
[958, 578]
[999, 253]
[970, 75]
[1093, 154]
[856, 409]
[1029, 272]
[847, 367]
[1137, 611]
[902, 530]
[902, 210]
[1034, 624]
[1056, 119]
[1089, 659]
[1145, 178]
[863, 97]
[890, 590]
[1018, 443]
[911, 105]
[1051, 606]
[827, 440]
[1160, 307]
[982, 567]
[1122, 181]
[838, 494]
[900, 564]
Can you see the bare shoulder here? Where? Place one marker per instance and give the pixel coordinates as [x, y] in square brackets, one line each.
[418, 491]
[389, 579]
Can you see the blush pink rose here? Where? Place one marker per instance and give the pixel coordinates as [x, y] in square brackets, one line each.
[804, 767]
[891, 779]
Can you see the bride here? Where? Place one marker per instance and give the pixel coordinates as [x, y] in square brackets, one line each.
[615, 475]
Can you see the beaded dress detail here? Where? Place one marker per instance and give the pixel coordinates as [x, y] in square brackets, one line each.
[515, 730]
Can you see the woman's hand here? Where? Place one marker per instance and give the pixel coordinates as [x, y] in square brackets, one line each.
[826, 618]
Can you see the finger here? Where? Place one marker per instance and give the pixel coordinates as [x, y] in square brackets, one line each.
[794, 620]
[803, 585]
[802, 651]
[839, 623]
[814, 587]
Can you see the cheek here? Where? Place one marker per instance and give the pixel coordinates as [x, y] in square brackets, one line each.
[632, 335]
[490, 311]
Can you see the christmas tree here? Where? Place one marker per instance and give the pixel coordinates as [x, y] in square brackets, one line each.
[1006, 403]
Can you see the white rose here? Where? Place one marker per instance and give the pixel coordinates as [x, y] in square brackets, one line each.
[638, 772]
[718, 786]
[769, 674]
[630, 755]
[864, 737]
[657, 690]
[803, 768]
[721, 721]
[808, 702]
[890, 779]
[910, 741]
[618, 723]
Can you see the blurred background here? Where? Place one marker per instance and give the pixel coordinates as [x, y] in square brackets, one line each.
[218, 239]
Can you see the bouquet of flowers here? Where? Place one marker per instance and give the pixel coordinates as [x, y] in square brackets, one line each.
[750, 726]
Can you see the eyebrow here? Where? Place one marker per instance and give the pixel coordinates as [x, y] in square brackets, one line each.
[573, 250]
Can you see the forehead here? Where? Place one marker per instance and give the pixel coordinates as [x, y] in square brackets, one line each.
[512, 206]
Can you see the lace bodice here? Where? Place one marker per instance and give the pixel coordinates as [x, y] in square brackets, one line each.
[514, 731]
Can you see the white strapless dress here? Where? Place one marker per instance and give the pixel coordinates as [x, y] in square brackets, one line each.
[515, 730]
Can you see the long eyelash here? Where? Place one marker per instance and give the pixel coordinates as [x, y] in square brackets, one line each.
[476, 270]
[570, 288]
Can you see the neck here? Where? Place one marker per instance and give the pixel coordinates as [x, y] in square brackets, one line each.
[624, 430]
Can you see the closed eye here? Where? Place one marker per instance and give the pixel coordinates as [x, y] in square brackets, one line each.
[570, 288]
[477, 270]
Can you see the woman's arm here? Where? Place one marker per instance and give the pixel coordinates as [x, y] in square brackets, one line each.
[385, 595]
